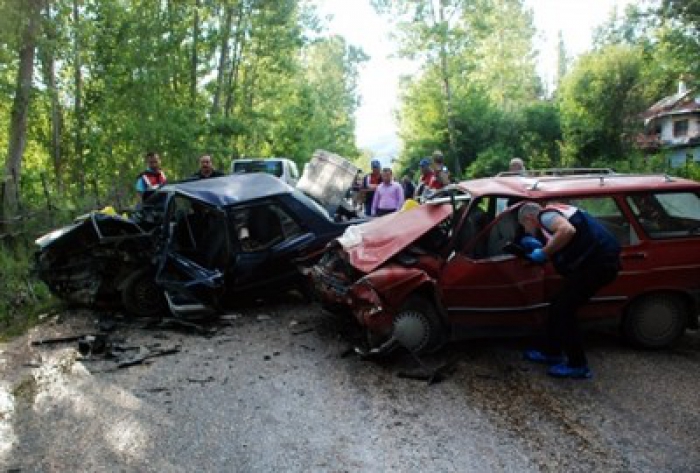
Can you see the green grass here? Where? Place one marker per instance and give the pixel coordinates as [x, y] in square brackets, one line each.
[22, 297]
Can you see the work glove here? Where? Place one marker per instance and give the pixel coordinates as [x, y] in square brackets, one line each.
[530, 243]
[537, 255]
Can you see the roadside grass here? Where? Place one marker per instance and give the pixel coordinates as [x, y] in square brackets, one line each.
[22, 297]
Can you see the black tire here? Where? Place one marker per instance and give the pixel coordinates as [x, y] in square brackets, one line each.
[417, 326]
[655, 321]
[141, 296]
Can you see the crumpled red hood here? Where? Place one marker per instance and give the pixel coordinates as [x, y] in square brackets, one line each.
[384, 237]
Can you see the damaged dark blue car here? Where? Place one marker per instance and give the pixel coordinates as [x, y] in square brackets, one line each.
[194, 248]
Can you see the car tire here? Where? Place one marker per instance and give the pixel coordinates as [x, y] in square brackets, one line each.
[141, 296]
[655, 321]
[417, 327]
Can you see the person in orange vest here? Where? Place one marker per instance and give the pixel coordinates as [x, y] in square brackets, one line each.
[152, 178]
[369, 185]
[442, 175]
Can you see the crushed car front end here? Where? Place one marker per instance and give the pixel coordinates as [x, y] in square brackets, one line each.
[87, 261]
[373, 268]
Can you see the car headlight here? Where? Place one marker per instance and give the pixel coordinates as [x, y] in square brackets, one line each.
[45, 240]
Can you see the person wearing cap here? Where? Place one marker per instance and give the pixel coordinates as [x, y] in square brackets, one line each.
[427, 176]
[369, 185]
[389, 196]
[442, 175]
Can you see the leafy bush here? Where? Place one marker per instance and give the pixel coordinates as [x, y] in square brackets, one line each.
[22, 297]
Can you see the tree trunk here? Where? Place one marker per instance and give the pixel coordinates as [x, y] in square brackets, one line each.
[238, 47]
[78, 104]
[20, 108]
[46, 53]
[444, 70]
[223, 59]
[195, 59]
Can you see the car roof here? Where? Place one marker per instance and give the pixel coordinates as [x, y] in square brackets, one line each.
[229, 190]
[548, 186]
[251, 160]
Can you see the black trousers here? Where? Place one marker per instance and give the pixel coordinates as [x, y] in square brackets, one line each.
[563, 334]
[381, 212]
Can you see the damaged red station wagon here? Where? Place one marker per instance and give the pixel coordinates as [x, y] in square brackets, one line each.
[443, 271]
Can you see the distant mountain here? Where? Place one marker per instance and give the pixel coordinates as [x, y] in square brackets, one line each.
[385, 146]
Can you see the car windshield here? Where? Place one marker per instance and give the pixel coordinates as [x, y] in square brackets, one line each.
[269, 167]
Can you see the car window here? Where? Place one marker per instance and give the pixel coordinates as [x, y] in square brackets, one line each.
[262, 226]
[198, 232]
[270, 167]
[492, 243]
[477, 218]
[667, 215]
[607, 212]
[294, 171]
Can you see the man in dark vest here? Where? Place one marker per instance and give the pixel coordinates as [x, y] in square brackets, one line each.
[206, 168]
[587, 255]
[152, 178]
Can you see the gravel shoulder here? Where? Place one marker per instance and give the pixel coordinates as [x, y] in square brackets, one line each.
[273, 388]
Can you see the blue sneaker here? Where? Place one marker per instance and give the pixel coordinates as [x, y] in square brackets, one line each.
[565, 371]
[537, 356]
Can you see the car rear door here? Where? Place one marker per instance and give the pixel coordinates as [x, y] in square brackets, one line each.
[483, 286]
[268, 241]
[610, 300]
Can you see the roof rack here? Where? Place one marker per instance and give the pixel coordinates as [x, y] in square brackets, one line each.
[558, 172]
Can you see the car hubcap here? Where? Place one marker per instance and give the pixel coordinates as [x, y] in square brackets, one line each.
[412, 330]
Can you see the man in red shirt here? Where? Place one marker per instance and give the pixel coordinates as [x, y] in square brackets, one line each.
[153, 177]
[442, 175]
[427, 178]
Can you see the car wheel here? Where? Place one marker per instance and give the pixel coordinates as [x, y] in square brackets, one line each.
[417, 327]
[655, 321]
[141, 295]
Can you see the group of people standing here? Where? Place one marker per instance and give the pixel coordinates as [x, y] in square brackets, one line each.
[154, 177]
[381, 194]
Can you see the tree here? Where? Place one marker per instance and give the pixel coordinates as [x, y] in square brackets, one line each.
[429, 33]
[20, 108]
[600, 102]
[483, 50]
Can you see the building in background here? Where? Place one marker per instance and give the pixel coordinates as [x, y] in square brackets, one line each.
[673, 125]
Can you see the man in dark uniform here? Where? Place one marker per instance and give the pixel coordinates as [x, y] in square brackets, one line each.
[587, 255]
[206, 168]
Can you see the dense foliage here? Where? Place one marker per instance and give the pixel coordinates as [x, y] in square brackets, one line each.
[112, 79]
[478, 97]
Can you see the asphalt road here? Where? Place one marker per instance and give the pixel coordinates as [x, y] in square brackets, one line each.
[273, 388]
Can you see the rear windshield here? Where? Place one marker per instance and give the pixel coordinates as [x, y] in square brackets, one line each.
[269, 167]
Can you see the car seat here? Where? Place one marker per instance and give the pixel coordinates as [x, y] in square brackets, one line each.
[264, 226]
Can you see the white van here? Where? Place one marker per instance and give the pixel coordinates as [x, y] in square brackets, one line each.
[283, 168]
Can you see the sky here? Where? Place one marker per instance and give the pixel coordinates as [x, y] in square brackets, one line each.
[376, 127]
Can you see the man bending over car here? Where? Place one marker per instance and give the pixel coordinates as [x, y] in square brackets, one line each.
[587, 255]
